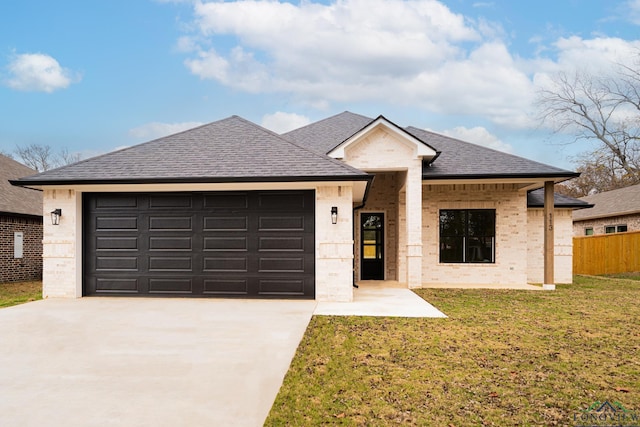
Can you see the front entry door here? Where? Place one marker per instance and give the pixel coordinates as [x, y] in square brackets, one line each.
[372, 246]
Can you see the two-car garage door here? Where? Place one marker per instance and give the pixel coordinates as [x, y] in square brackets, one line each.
[242, 244]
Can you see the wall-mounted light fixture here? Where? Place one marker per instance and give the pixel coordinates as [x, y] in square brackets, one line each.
[55, 216]
[334, 215]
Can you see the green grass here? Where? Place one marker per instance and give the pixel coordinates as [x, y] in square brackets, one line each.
[19, 293]
[501, 358]
[635, 275]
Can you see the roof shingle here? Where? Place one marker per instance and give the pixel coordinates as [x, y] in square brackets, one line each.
[227, 150]
[623, 201]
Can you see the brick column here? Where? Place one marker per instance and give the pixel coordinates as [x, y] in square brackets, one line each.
[549, 244]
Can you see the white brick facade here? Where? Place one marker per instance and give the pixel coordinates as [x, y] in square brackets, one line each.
[510, 265]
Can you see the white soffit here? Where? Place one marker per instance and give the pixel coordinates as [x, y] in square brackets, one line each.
[422, 149]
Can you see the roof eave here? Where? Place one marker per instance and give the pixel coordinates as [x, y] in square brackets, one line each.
[190, 180]
[562, 176]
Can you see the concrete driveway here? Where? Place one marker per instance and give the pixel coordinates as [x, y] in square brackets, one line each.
[146, 362]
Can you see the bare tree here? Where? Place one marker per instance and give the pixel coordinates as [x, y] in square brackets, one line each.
[601, 109]
[43, 157]
[597, 174]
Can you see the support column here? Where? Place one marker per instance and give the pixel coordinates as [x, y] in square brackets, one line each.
[414, 226]
[549, 244]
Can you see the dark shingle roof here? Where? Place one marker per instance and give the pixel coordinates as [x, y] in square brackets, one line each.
[535, 199]
[228, 150]
[623, 201]
[16, 200]
[459, 159]
[325, 135]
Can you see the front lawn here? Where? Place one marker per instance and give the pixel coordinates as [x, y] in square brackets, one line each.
[20, 292]
[501, 358]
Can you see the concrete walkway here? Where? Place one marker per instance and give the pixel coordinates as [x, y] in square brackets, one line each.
[380, 299]
[146, 362]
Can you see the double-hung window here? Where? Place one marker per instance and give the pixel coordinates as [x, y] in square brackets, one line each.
[467, 235]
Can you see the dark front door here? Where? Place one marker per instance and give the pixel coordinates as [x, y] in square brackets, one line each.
[372, 246]
[256, 244]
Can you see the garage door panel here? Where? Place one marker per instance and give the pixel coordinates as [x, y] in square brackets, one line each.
[224, 286]
[225, 264]
[280, 265]
[164, 223]
[116, 263]
[165, 201]
[116, 243]
[170, 243]
[217, 244]
[170, 285]
[117, 201]
[281, 286]
[112, 285]
[226, 201]
[114, 223]
[237, 223]
[281, 201]
[281, 223]
[288, 244]
[170, 264]
[243, 244]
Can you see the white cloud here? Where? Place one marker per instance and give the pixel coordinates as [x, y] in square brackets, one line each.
[38, 72]
[632, 10]
[155, 130]
[281, 122]
[480, 136]
[416, 53]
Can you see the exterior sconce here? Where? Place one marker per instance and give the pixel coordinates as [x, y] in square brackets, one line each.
[55, 216]
[334, 215]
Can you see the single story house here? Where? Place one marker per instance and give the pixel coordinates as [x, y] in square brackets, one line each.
[614, 211]
[20, 225]
[233, 209]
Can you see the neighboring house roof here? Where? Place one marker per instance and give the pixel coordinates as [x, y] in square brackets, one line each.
[457, 159]
[535, 199]
[623, 201]
[15, 200]
[228, 150]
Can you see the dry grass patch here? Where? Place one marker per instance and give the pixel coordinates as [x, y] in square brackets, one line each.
[501, 358]
[19, 293]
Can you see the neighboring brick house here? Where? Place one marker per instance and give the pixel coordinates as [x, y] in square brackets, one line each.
[20, 225]
[614, 211]
[232, 209]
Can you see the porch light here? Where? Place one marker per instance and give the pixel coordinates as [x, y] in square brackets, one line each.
[55, 216]
[334, 215]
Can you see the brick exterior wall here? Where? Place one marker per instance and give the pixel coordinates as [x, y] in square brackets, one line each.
[510, 265]
[29, 267]
[631, 221]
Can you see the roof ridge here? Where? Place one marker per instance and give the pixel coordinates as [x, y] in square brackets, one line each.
[328, 118]
[611, 191]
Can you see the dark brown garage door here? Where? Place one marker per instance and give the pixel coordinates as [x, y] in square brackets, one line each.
[242, 244]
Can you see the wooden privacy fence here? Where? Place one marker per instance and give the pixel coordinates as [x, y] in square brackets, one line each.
[607, 253]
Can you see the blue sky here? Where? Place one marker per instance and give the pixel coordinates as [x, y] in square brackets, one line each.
[92, 76]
